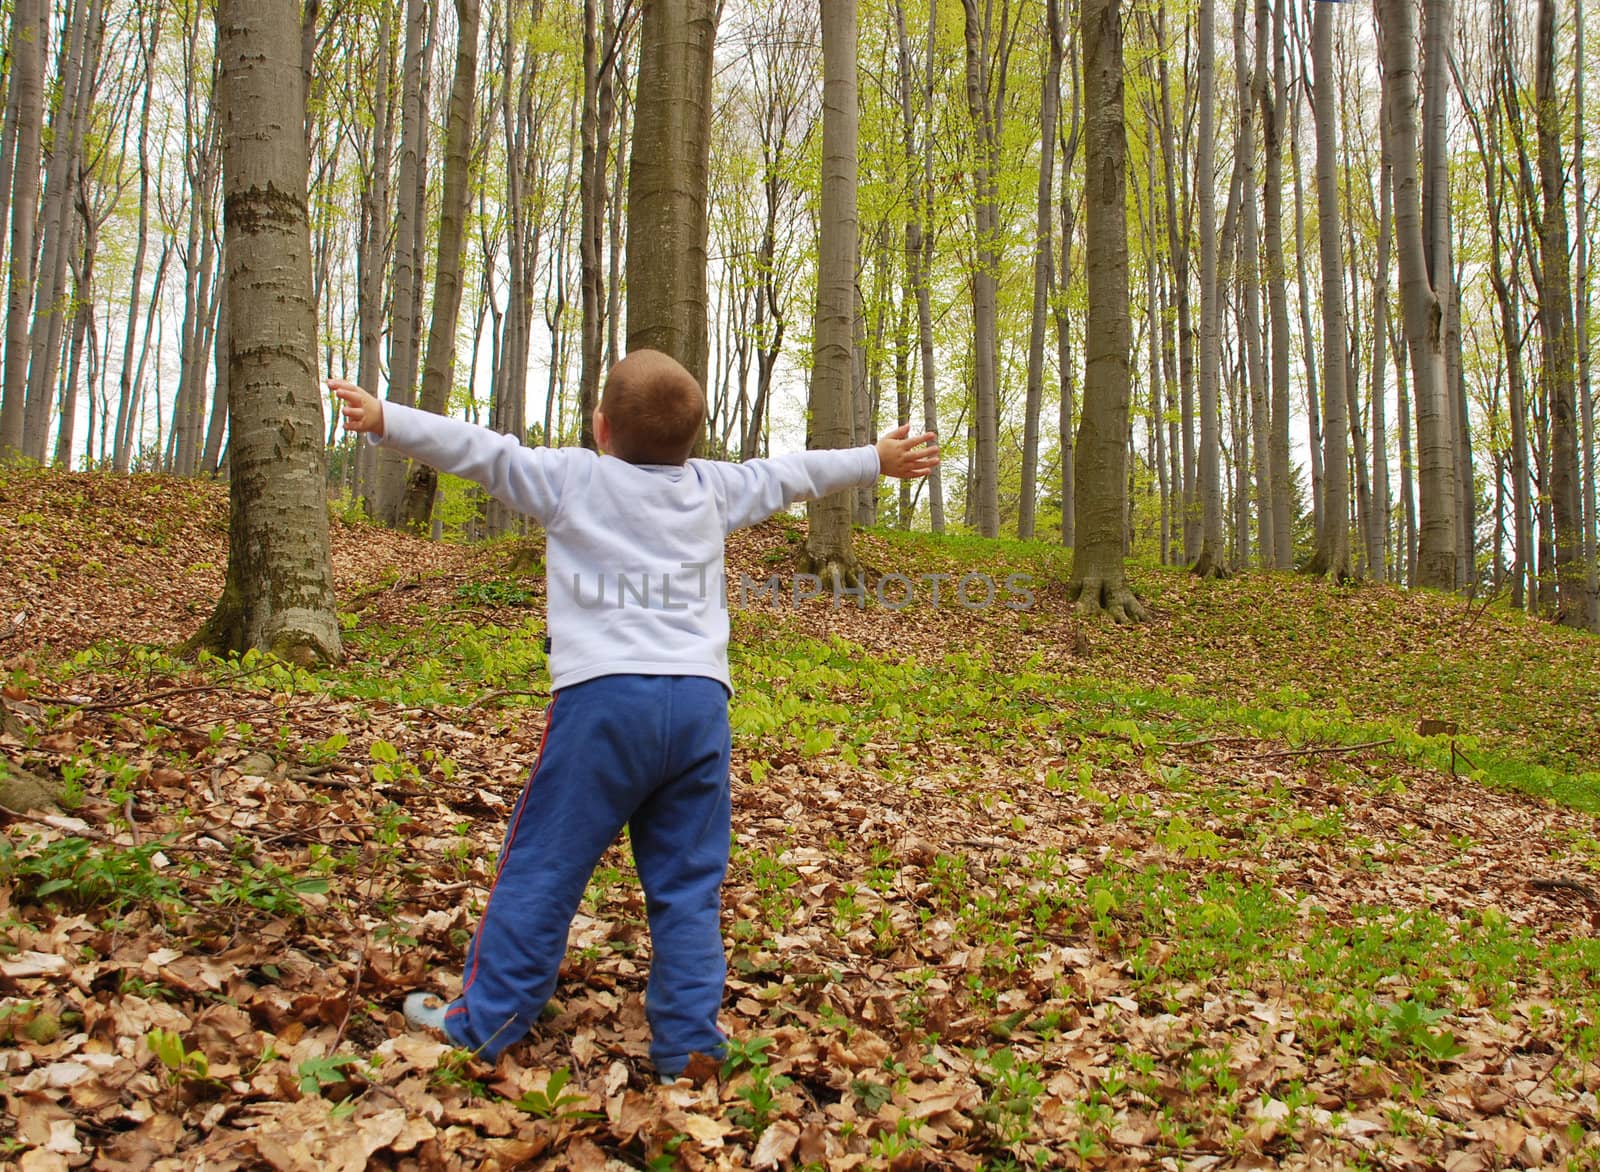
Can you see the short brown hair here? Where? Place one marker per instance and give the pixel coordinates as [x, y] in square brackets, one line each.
[655, 407]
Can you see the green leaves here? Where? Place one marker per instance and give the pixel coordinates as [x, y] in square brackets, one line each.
[553, 1102]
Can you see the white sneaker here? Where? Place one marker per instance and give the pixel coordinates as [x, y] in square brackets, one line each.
[425, 1011]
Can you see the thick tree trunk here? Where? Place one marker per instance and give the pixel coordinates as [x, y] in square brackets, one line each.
[278, 594]
[829, 551]
[1098, 581]
[1332, 558]
[27, 82]
[666, 270]
[438, 371]
[1424, 312]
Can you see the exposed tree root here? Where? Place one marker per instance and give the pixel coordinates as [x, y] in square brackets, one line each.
[1208, 567]
[1094, 595]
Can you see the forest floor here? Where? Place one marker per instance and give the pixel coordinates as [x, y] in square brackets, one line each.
[1008, 889]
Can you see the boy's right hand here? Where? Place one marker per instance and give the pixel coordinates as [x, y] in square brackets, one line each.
[363, 412]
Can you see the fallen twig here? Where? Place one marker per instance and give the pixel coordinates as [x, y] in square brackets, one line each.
[1316, 751]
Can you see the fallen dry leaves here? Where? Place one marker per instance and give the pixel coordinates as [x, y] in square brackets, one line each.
[958, 957]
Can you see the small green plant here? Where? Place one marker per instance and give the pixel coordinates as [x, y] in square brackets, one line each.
[1014, 1088]
[270, 889]
[326, 1071]
[555, 1102]
[180, 1065]
[496, 592]
[88, 874]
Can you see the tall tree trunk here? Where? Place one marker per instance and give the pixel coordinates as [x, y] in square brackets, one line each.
[1071, 134]
[51, 305]
[27, 82]
[1332, 558]
[666, 275]
[372, 251]
[409, 235]
[600, 43]
[829, 551]
[1378, 528]
[1556, 333]
[1251, 82]
[438, 371]
[985, 109]
[1423, 308]
[278, 595]
[122, 433]
[1098, 578]
[1212, 557]
[919, 239]
[1043, 262]
[82, 264]
[1308, 350]
[1273, 103]
[1591, 498]
[1178, 248]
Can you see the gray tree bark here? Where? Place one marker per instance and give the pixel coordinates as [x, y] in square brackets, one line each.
[1591, 498]
[919, 239]
[1423, 306]
[52, 304]
[1043, 264]
[1251, 83]
[1332, 559]
[1212, 556]
[409, 235]
[439, 368]
[667, 183]
[122, 432]
[830, 552]
[278, 594]
[1557, 349]
[1274, 103]
[1098, 579]
[27, 82]
[986, 107]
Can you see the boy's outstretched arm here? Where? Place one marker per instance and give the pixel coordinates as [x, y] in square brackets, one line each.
[530, 480]
[754, 490]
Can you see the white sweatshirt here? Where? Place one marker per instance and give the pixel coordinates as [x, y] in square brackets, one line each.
[633, 552]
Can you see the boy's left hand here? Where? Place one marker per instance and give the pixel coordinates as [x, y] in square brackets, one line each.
[907, 456]
[363, 412]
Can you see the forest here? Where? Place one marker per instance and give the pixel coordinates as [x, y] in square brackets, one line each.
[1357, 264]
[1254, 822]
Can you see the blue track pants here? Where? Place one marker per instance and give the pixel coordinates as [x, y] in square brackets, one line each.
[648, 752]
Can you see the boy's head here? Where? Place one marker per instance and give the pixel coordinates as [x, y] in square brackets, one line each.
[651, 410]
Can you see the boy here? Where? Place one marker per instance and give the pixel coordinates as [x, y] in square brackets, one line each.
[637, 729]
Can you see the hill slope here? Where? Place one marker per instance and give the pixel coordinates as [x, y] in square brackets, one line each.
[1005, 885]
